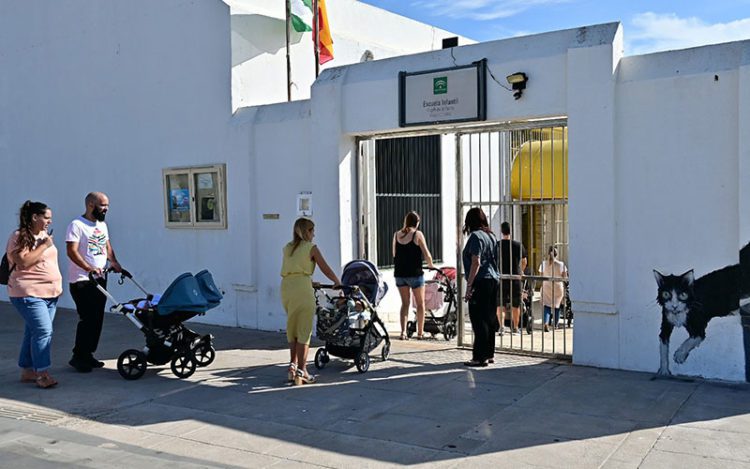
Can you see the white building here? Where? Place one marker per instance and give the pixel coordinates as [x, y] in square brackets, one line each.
[109, 97]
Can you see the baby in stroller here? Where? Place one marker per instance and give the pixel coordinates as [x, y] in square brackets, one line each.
[349, 324]
[161, 317]
[440, 304]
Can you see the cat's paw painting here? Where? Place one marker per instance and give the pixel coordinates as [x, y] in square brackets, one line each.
[664, 372]
[681, 355]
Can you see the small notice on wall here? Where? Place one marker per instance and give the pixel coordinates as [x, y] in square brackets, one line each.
[304, 204]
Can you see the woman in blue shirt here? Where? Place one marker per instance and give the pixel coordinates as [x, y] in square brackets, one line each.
[480, 270]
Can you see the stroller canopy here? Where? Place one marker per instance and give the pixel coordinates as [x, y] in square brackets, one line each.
[365, 275]
[184, 295]
[208, 288]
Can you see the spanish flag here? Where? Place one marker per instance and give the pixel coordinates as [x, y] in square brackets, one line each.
[302, 21]
[324, 31]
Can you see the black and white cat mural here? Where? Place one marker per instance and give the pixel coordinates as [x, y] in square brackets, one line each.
[692, 303]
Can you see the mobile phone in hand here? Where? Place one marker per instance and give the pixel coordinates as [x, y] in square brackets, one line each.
[50, 231]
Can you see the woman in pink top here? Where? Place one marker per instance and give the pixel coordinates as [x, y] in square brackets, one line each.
[35, 284]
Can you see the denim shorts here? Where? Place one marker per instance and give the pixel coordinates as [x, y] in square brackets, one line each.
[411, 282]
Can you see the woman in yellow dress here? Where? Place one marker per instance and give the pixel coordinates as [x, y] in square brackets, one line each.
[298, 296]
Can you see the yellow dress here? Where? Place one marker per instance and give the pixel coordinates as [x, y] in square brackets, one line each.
[297, 294]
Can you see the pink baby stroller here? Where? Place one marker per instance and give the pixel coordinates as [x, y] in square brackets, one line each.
[440, 304]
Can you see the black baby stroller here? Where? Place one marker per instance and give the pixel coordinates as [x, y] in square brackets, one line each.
[567, 305]
[348, 323]
[441, 313]
[161, 317]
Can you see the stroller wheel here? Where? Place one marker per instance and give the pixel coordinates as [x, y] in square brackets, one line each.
[362, 362]
[321, 358]
[386, 351]
[131, 364]
[449, 331]
[411, 328]
[183, 365]
[204, 354]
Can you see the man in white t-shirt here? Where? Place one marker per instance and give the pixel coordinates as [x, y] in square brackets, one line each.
[89, 249]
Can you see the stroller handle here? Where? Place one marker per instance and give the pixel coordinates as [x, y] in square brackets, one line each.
[123, 274]
[330, 286]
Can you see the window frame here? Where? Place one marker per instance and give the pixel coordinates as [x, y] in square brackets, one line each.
[191, 172]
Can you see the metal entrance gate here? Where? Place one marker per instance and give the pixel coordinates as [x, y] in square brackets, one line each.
[519, 174]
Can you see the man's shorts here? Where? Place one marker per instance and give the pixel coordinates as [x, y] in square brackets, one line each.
[509, 293]
[411, 282]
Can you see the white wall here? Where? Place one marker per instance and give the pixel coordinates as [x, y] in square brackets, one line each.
[259, 45]
[102, 96]
[677, 196]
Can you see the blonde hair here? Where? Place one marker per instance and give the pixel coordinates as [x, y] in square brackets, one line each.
[411, 220]
[300, 232]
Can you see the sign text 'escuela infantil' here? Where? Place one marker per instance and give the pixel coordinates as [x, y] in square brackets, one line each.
[442, 96]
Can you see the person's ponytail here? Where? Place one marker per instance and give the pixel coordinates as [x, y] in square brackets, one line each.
[25, 218]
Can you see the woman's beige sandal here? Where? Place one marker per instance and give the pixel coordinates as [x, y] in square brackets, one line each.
[28, 376]
[45, 381]
[304, 378]
[291, 372]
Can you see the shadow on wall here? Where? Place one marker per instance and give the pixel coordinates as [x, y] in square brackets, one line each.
[253, 35]
[692, 303]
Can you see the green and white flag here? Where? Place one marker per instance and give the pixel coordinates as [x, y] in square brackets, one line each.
[302, 15]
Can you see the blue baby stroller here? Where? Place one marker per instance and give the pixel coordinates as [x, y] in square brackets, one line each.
[161, 317]
[348, 323]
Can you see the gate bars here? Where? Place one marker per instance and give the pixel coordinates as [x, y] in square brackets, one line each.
[518, 173]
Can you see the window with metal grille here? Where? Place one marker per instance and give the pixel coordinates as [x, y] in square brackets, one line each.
[407, 177]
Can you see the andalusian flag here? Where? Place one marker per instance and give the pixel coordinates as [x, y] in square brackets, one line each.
[302, 21]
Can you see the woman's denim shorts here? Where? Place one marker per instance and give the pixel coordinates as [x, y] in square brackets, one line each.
[411, 282]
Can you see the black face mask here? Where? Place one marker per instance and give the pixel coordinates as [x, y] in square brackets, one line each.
[98, 214]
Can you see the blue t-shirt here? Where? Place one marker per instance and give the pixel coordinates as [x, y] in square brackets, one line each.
[481, 244]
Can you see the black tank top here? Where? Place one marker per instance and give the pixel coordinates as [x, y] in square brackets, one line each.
[408, 260]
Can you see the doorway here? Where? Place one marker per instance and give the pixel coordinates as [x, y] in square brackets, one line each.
[519, 174]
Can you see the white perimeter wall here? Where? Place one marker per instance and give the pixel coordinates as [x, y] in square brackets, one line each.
[678, 197]
[102, 96]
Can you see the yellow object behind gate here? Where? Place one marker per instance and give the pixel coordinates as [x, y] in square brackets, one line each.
[540, 170]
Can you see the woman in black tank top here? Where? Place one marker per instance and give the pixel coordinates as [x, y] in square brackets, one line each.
[409, 249]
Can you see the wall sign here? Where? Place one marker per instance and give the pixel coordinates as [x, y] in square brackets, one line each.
[445, 95]
[304, 204]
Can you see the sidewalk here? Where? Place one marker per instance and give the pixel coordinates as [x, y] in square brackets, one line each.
[421, 407]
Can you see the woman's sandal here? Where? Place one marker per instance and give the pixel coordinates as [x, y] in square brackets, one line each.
[45, 381]
[29, 376]
[291, 372]
[403, 336]
[304, 378]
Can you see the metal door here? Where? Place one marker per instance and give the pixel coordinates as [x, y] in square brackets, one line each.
[519, 173]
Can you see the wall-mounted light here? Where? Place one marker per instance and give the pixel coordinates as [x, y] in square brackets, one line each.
[518, 82]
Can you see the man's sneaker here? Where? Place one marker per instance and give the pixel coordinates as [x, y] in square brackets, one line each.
[94, 363]
[82, 366]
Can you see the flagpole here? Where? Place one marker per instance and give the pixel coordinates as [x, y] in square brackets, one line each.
[288, 57]
[316, 37]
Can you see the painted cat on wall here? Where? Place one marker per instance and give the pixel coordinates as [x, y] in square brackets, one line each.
[691, 303]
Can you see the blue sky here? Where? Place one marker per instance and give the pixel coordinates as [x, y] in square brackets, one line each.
[649, 26]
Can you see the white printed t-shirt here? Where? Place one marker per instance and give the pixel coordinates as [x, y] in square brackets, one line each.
[92, 246]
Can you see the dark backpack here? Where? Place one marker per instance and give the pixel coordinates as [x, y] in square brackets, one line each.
[5, 270]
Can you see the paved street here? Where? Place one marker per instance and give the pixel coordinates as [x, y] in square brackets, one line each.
[421, 407]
